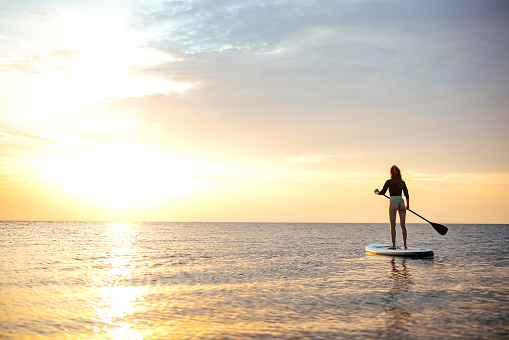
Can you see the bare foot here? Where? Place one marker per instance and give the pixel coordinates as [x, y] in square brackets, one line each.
[393, 247]
[405, 247]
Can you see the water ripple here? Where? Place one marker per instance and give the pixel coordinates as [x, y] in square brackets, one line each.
[87, 280]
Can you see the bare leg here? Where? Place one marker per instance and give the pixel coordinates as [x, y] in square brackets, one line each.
[392, 217]
[402, 218]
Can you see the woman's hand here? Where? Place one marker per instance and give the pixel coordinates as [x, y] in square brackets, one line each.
[376, 191]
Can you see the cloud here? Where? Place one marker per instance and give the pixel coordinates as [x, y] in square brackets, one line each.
[279, 78]
[260, 26]
[23, 138]
[64, 54]
[23, 144]
[364, 50]
[325, 75]
[38, 64]
[319, 158]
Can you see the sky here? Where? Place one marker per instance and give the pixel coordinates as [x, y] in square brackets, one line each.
[261, 111]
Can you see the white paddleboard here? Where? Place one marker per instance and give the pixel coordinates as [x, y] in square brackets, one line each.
[383, 249]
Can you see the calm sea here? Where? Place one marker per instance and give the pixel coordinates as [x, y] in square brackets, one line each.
[95, 280]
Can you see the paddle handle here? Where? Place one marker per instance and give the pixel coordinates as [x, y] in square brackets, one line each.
[412, 211]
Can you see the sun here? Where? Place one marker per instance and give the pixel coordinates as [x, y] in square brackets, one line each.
[124, 175]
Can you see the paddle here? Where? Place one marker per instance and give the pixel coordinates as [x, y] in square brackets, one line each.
[441, 229]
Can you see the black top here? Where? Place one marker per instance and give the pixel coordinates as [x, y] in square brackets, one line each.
[393, 189]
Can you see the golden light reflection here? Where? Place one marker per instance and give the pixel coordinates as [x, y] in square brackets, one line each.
[118, 303]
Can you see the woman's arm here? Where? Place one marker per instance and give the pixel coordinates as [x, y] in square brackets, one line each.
[405, 191]
[384, 189]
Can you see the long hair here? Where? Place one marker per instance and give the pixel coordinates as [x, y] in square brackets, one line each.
[396, 176]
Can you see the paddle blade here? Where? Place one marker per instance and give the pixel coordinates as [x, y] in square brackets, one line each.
[441, 229]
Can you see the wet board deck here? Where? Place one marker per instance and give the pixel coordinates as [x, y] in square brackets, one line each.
[383, 249]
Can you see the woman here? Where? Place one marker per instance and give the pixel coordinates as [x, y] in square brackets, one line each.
[396, 185]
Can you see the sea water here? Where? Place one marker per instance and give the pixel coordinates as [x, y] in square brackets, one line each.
[124, 280]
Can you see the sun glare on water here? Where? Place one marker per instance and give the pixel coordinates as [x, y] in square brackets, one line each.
[124, 175]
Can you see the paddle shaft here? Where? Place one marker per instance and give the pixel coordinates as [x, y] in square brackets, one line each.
[412, 212]
[441, 229]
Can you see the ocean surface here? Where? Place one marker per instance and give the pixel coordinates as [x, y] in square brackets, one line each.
[123, 280]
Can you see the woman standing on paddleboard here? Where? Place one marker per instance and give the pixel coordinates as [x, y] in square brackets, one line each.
[396, 186]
